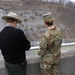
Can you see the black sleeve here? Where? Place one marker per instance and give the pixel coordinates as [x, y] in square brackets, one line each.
[24, 41]
[1, 42]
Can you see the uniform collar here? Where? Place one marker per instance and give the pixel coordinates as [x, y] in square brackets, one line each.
[8, 24]
[51, 27]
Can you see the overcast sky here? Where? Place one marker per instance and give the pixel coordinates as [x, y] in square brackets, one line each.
[73, 0]
[65, 0]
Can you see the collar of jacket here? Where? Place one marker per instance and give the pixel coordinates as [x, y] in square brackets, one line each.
[9, 24]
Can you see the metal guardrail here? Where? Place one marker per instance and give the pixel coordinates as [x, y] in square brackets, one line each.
[63, 45]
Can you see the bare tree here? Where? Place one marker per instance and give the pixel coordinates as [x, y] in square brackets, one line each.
[63, 1]
[70, 4]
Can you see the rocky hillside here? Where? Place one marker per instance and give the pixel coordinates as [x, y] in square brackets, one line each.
[31, 14]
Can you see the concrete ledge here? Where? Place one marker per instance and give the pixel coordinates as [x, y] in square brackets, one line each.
[68, 54]
[66, 67]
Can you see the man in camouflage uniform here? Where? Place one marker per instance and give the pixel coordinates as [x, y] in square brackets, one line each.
[50, 47]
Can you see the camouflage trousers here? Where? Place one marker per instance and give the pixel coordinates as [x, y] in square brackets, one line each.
[49, 69]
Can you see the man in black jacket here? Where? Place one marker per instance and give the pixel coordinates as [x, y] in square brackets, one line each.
[13, 44]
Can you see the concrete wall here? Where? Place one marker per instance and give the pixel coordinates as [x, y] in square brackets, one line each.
[67, 64]
[66, 67]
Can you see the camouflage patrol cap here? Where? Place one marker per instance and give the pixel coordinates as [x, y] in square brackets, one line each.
[48, 17]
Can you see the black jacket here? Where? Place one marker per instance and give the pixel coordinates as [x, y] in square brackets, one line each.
[13, 44]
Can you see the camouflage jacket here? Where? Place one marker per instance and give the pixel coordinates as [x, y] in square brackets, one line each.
[50, 45]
